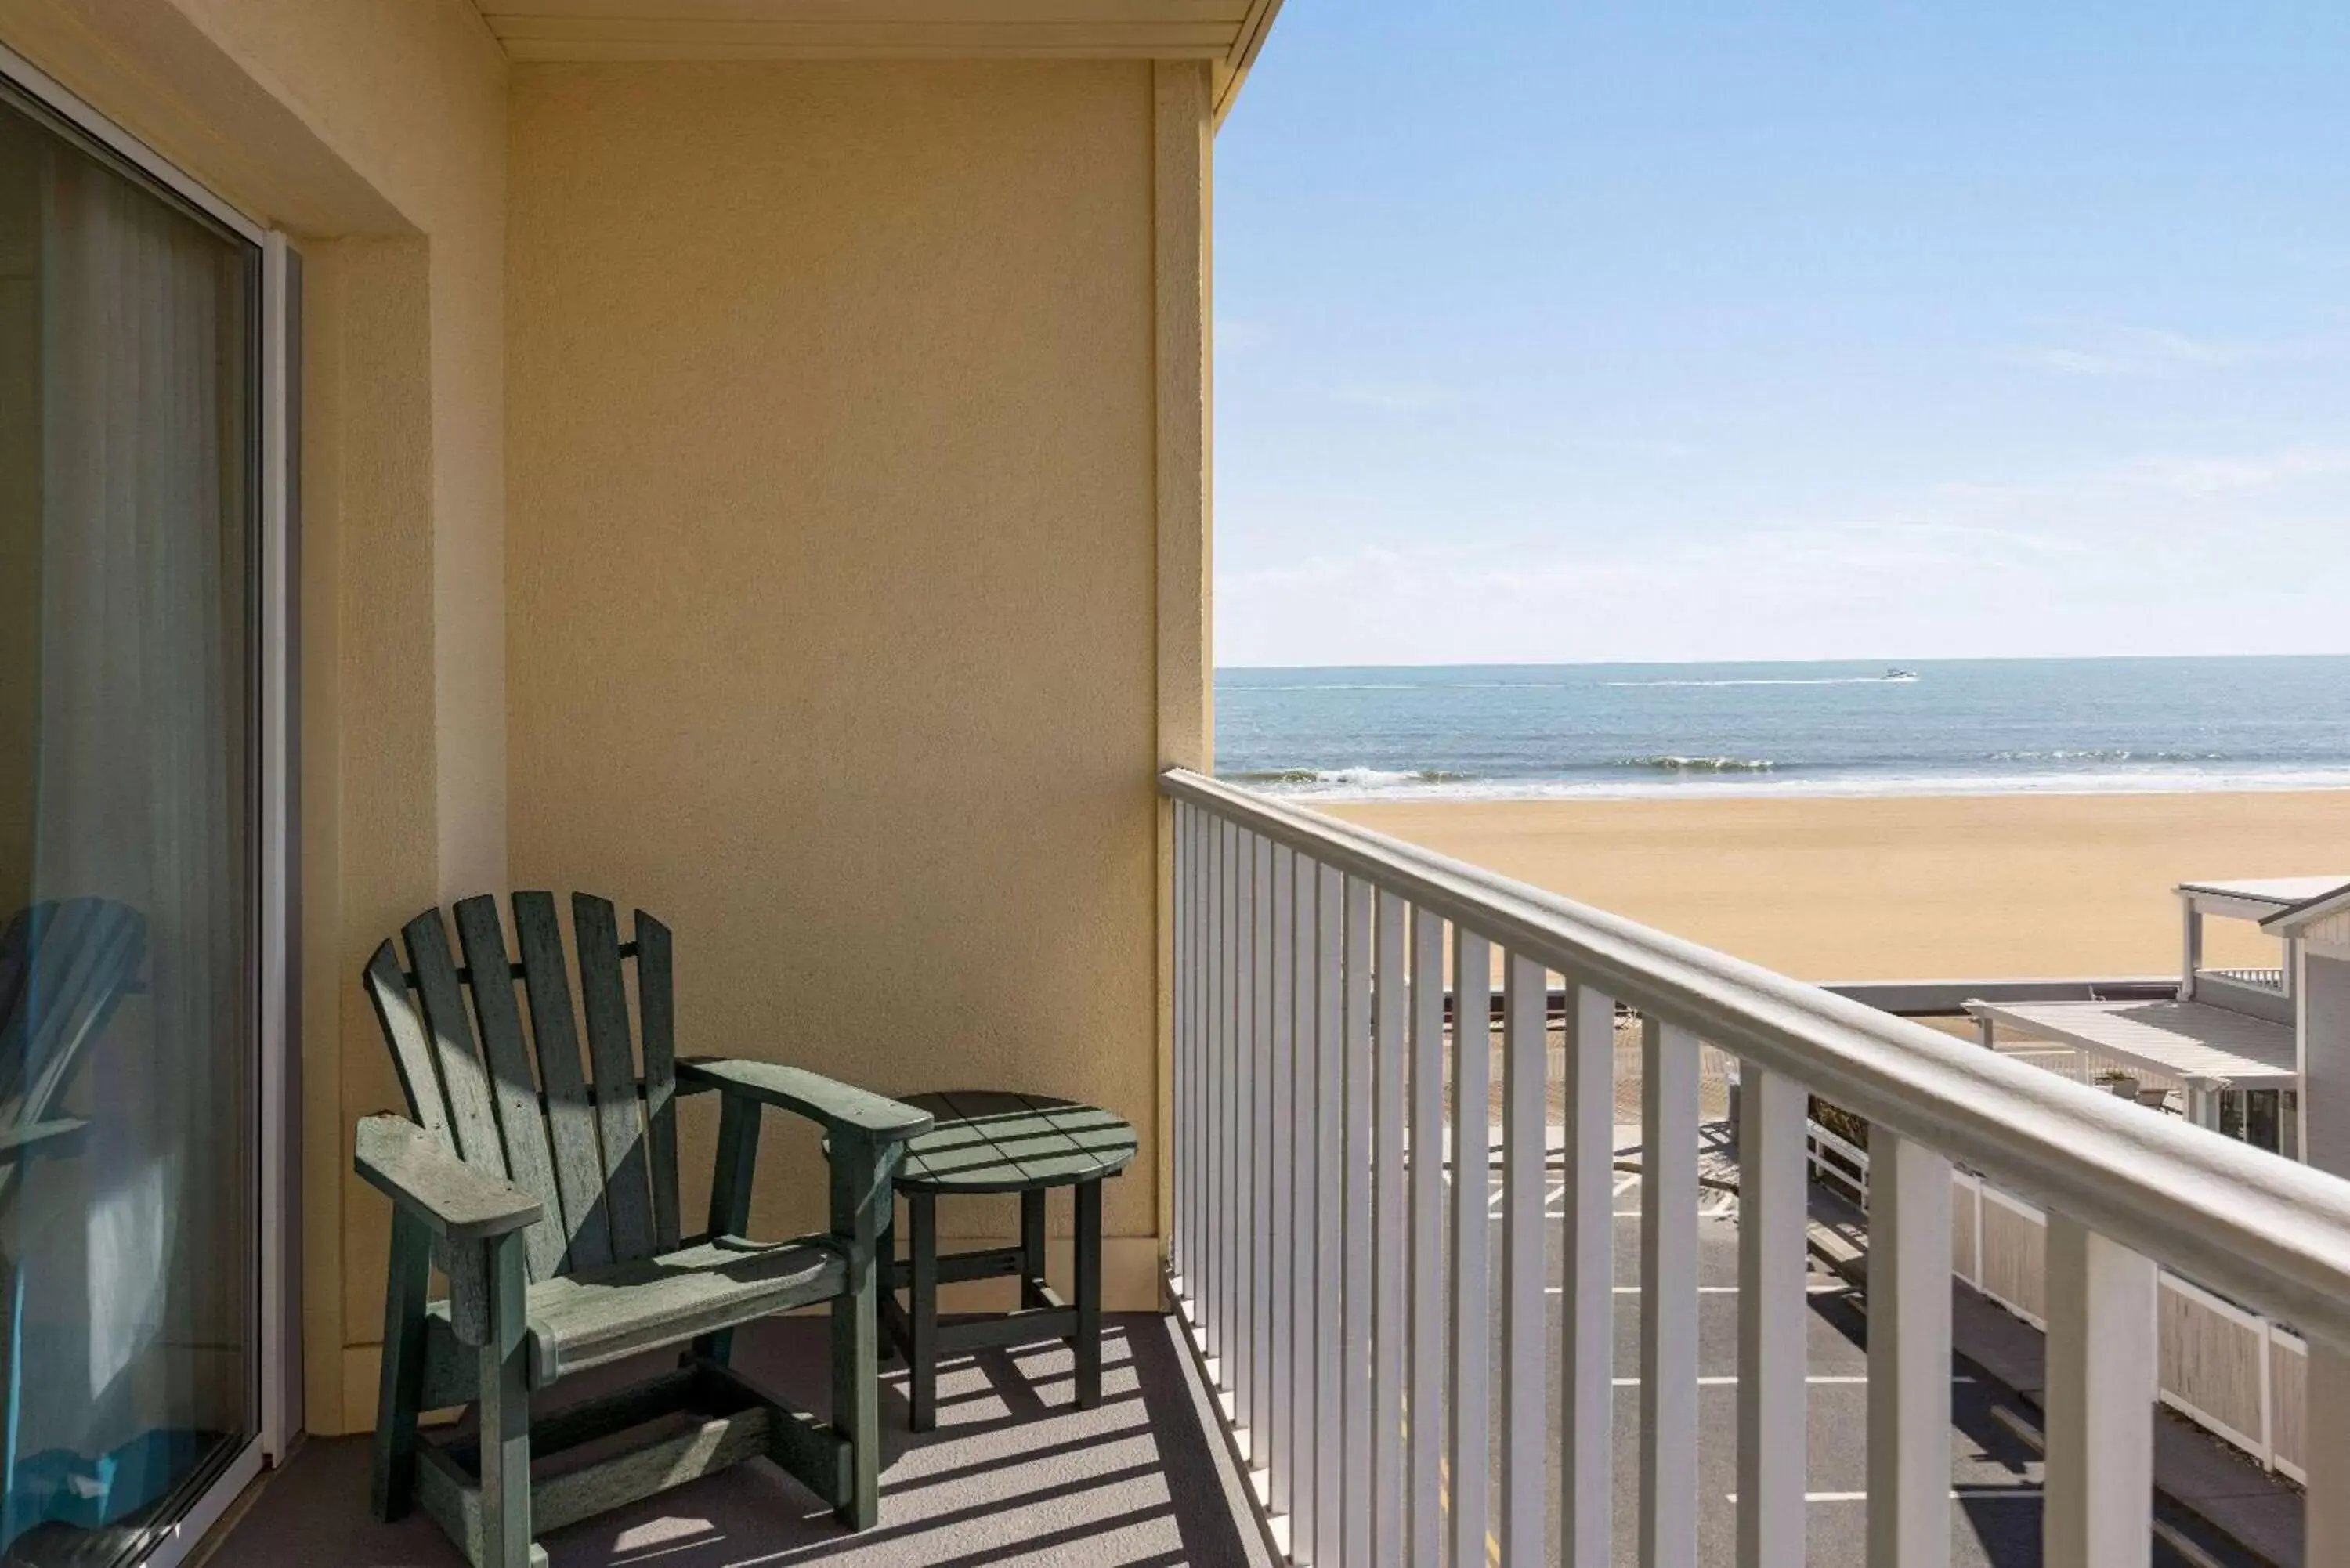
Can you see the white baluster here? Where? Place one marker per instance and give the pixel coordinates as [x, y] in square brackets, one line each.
[1391, 1235]
[1908, 1353]
[1217, 1211]
[2100, 1404]
[1329, 1190]
[1278, 1454]
[1261, 1395]
[1185, 1068]
[1773, 1433]
[1424, 1364]
[1470, 1331]
[2325, 1509]
[1587, 1354]
[1239, 1356]
[1305, 1434]
[1669, 1152]
[1355, 1352]
[1526, 1073]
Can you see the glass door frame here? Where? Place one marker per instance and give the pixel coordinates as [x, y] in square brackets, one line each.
[276, 1052]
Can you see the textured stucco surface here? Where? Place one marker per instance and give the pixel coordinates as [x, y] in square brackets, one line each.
[831, 560]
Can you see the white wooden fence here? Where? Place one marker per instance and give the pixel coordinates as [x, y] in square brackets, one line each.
[2239, 1374]
[1370, 1368]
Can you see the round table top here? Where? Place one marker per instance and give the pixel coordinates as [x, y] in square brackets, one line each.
[991, 1140]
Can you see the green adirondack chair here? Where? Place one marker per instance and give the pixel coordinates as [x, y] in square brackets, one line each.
[549, 1198]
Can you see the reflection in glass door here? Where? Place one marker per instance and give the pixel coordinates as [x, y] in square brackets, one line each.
[129, 929]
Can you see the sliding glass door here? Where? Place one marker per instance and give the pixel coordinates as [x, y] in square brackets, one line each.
[130, 913]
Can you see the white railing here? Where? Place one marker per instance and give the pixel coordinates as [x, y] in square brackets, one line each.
[1358, 1369]
[1837, 1162]
[2258, 978]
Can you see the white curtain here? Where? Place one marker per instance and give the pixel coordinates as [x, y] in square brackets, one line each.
[133, 1254]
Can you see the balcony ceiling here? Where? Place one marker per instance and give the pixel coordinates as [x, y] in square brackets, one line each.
[1226, 32]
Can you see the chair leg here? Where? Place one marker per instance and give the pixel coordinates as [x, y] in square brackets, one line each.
[505, 1415]
[922, 1353]
[402, 1385]
[1089, 1293]
[860, 1195]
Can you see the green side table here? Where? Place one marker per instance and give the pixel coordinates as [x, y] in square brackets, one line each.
[990, 1141]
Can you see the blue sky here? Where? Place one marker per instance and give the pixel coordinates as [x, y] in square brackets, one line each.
[1590, 330]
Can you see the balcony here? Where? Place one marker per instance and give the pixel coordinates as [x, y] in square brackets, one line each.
[1583, 1358]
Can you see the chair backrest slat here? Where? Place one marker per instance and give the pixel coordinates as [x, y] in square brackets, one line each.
[53, 946]
[657, 1037]
[512, 1088]
[412, 1050]
[619, 1117]
[570, 1117]
[65, 967]
[85, 991]
[471, 1114]
[16, 939]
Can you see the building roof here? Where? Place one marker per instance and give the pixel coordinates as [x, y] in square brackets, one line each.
[2322, 905]
[2277, 892]
[2192, 1042]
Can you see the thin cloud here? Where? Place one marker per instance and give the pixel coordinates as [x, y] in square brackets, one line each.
[1397, 397]
[2225, 475]
[2144, 351]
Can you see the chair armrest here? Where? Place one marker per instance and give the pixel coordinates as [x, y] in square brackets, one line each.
[419, 1173]
[29, 1139]
[838, 1105]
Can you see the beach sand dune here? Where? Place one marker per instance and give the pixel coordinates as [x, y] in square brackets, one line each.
[1914, 887]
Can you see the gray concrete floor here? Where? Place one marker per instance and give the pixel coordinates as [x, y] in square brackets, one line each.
[1995, 1475]
[1015, 1473]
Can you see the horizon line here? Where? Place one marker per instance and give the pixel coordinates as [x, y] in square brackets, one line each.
[1895, 661]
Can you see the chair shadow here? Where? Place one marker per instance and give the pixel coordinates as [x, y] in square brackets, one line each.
[1013, 1468]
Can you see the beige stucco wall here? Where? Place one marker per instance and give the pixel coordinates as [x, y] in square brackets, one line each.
[833, 421]
[374, 131]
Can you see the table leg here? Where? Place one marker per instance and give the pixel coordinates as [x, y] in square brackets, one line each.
[922, 1356]
[1032, 1248]
[1088, 1260]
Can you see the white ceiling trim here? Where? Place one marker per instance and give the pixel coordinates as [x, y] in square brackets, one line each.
[1225, 31]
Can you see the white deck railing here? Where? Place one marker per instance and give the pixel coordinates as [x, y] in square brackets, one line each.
[1311, 1057]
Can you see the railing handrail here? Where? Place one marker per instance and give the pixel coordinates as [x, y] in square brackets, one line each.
[2268, 1231]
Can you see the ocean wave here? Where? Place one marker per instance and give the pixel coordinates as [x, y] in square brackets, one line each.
[1347, 778]
[1783, 680]
[1343, 785]
[2105, 755]
[1224, 687]
[1670, 764]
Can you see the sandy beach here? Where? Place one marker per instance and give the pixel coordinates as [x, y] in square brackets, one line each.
[1902, 888]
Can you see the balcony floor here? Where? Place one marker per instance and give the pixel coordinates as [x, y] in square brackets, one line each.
[1013, 1473]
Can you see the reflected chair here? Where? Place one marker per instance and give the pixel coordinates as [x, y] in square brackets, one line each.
[65, 967]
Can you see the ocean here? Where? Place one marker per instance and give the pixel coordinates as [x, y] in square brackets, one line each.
[1959, 727]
